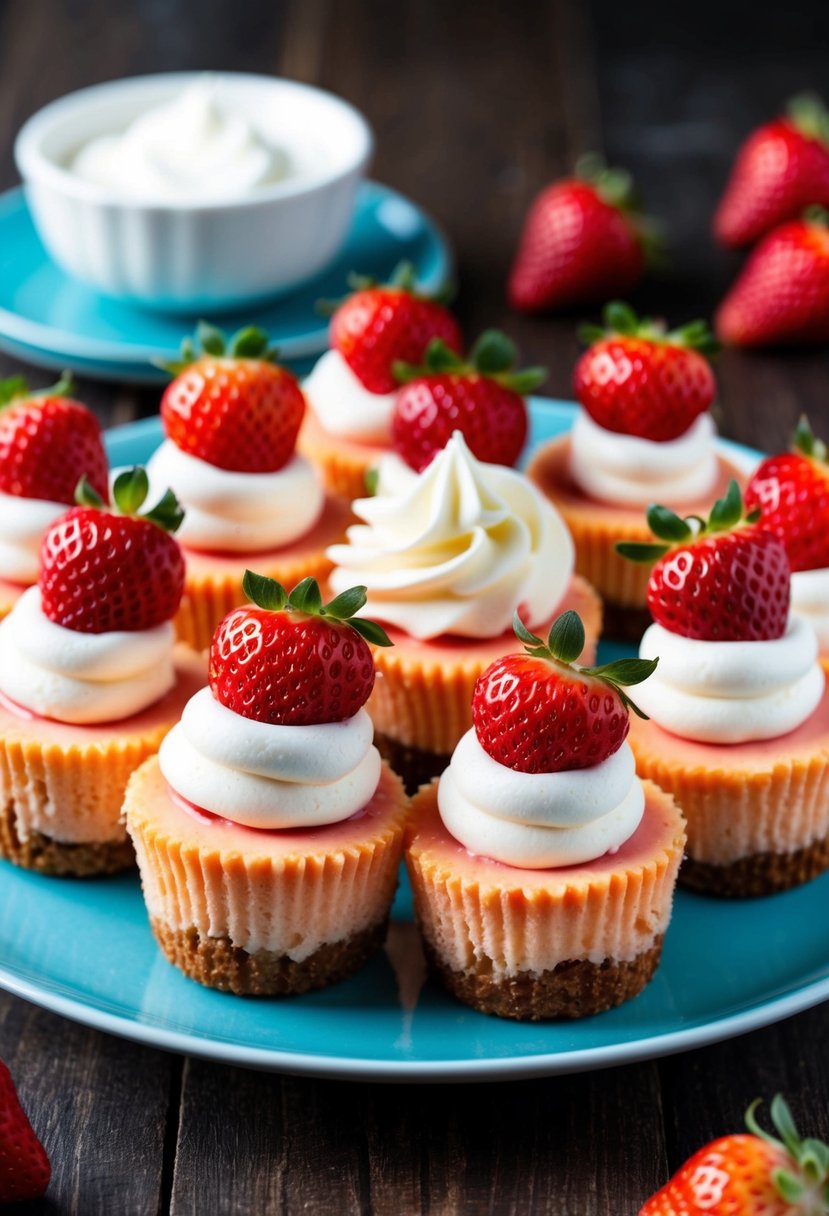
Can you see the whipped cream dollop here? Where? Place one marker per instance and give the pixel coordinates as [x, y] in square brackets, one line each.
[81, 678]
[263, 775]
[343, 404]
[731, 692]
[539, 821]
[227, 511]
[22, 524]
[189, 149]
[810, 599]
[629, 471]
[455, 549]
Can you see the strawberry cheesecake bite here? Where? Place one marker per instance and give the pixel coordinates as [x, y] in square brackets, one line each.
[90, 680]
[268, 831]
[738, 728]
[231, 417]
[47, 443]
[543, 869]
[447, 556]
[352, 390]
[643, 434]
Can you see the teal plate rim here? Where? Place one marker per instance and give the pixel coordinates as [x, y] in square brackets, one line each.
[360, 1030]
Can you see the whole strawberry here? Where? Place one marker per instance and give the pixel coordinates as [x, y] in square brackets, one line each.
[750, 1174]
[24, 1167]
[537, 712]
[781, 296]
[383, 323]
[782, 168]
[483, 398]
[290, 659]
[582, 242]
[638, 379]
[791, 491]
[230, 404]
[103, 569]
[720, 580]
[48, 442]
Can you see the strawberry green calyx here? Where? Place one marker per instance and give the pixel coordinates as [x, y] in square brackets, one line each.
[727, 514]
[620, 321]
[306, 597]
[805, 443]
[807, 113]
[247, 343]
[616, 188]
[16, 388]
[403, 278]
[129, 493]
[494, 355]
[806, 1186]
[564, 644]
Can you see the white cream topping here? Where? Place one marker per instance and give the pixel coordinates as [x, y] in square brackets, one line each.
[22, 524]
[226, 511]
[629, 471]
[539, 821]
[731, 692]
[810, 599]
[343, 404]
[270, 776]
[81, 678]
[189, 149]
[455, 549]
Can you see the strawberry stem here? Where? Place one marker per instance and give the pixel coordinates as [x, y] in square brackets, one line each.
[493, 355]
[726, 516]
[247, 343]
[620, 320]
[306, 597]
[129, 493]
[810, 1156]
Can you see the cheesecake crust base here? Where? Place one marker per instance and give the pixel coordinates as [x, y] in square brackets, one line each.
[759, 874]
[47, 856]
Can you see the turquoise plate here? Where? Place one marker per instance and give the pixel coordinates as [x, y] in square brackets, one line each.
[50, 319]
[84, 949]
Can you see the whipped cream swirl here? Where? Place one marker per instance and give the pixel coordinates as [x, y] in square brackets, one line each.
[628, 471]
[233, 512]
[81, 678]
[22, 524]
[810, 599]
[343, 404]
[539, 821]
[731, 692]
[455, 549]
[270, 776]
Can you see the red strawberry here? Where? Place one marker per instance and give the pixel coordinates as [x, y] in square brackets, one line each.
[24, 1167]
[483, 398]
[750, 1175]
[782, 168]
[792, 493]
[103, 569]
[380, 324]
[781, 295]
[291, 659]
[637, 379]
[230, 404]
[726, 580]
[538, 713]
[582, 243]
[48, 442]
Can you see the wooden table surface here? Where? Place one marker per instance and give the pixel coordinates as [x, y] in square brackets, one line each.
[475, 106]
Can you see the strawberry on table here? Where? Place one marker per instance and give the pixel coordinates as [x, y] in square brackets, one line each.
[752, 1174]
[782, 168]
[24, 1167]
[792, 493]
[638, 378]
[482, 397]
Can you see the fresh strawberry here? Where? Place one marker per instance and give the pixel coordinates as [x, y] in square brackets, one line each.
[781, 296]
[482, 398]
[230, 404]
[637, 379]
[290, 659]
[792, 494]
[104, 569]
[381, 323]
[782, 168]
[48, 442]
[539, 713]
[583, 242]
[24, 1167]
[720, 580]
[750, 1174]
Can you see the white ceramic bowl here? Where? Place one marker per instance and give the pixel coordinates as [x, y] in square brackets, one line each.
[196, 257]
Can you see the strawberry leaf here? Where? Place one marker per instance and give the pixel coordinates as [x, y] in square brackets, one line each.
[439, 358]
[645, 554]
[249, 343]
[306, 597]
[211, 339]
[667, 525]
[371, 631]
[493, 353]
[804, 441]
[167, 513]
[86, 496]
[566, 637]
[264, 592]
[130, 490]
[790, 1188]
[12, 389]
[346, 603]
[523, 634]
[620, 318]
[371, 479]
[524, 382]
[624, 671]
[727, 511]
[404, 276]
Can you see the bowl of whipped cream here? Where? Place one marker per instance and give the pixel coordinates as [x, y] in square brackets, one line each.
[187, 192]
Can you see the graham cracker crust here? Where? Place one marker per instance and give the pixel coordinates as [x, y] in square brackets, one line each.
[625, 624]
[413, 765]
[759, 874]
[217, 963]
[573, 989]
[59, 860]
